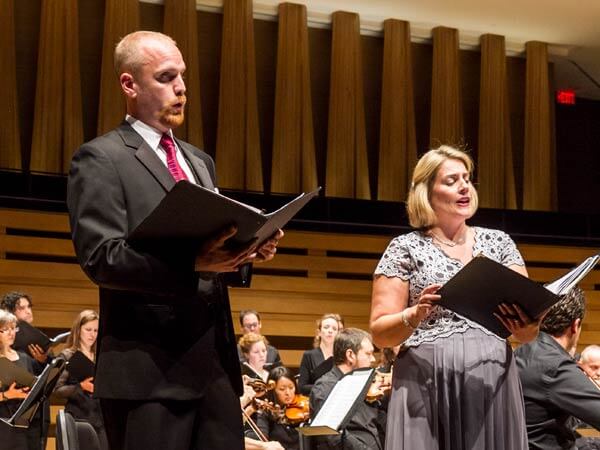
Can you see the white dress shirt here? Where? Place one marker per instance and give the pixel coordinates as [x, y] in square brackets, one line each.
[152, 137]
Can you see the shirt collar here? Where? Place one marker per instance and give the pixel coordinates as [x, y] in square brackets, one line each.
[150, 134]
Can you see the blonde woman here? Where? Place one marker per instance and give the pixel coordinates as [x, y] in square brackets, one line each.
[455, 383]
[78, 392]
[254, 349]
[328, 326]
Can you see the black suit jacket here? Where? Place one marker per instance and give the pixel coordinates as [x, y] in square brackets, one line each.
[165, 330]
[555, 390]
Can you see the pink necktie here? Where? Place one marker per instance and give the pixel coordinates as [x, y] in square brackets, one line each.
[166, 142]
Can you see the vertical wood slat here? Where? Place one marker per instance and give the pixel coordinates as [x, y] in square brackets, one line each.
[294, 166]
[10, 148]
[495, 168]
[181, 23]
[446, 109]
[238, 153]
[538, 160]
[121, 17]
[347, 169]
[398, 143]
[58, 121]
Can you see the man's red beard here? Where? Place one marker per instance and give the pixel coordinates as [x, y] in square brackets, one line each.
[172, 116]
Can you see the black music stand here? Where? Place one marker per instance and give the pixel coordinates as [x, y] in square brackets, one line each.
[39, 393]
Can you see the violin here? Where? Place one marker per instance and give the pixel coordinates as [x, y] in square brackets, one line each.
[259, 386]
[298, 411]
[380, 387]
[293, 414]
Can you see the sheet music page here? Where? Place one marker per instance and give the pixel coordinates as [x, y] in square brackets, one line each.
[341, 399]
[567, 281]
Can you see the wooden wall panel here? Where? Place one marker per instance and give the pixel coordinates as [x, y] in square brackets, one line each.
[446, 109]
[398, 143]
[58, 123]
[181, 23]
[495, 171]
[293, 164]
[539, 176]
[238, 154]
[347, 165]
[10, 149]
[121, 17]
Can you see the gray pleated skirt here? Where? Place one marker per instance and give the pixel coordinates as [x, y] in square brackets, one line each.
[461, 392]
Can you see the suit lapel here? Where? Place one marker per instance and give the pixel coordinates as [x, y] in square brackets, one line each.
[146, 156]
[152, 162]
[198, 166]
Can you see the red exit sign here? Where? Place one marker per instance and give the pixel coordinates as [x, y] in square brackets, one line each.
[565, 96]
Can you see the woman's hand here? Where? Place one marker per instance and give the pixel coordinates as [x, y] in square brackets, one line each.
[521, 326]
[38, 353]
[15, 393]
[416, 313]
[87, 385]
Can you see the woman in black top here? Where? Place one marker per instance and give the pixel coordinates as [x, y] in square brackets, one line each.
[11, 398]
[78, 392]
[328, 327]
[273, 426]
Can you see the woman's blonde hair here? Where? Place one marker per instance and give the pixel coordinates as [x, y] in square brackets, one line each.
[74, 340]
[420, 213]
[324, 317]
[249, 339]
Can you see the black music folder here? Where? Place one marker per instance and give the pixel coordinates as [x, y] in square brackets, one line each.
[13, 373]
[476, 291]
[322, 369]
[191, 212]
[29, 334]
[80, 367]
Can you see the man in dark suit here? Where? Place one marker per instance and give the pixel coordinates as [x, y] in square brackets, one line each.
[556, 391]
[167, 373]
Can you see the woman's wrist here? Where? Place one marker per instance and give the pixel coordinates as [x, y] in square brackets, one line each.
[405, 321]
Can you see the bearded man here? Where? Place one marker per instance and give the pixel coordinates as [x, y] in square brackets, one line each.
[168, 375]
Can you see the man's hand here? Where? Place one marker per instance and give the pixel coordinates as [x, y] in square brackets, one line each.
[37, 353]
[267, 250]
[214, 257]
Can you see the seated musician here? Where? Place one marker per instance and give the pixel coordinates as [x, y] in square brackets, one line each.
[352, 349]
[248, 410]
[251, 323]
[11, 397]
[555, 389]
[280, 423]
[589, 361]
[254, 349]
[78, 389]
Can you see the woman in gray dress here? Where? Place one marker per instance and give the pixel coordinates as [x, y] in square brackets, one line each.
[455, 383]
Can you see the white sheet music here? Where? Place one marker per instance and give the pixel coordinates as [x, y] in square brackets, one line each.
[341, 399]
[565, 283]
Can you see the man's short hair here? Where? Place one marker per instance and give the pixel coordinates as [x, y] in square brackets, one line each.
[562, 314]
[128, 57]
[11, 299]
[245, 312]
[348, 338]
